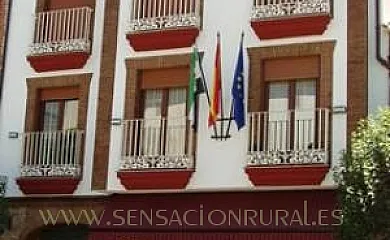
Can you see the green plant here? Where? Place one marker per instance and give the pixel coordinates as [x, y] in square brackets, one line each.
[4, 214]
[364, 181]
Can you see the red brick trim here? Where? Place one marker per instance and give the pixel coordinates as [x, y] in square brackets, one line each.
[136, 66]
[258, 56]
[105, 98]
[35, 85]
[357, 94]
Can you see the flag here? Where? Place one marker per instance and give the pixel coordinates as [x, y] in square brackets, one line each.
[215, 105]
[196, 86]
[238, 89]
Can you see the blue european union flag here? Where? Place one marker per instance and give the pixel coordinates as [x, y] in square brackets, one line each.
[238, 89]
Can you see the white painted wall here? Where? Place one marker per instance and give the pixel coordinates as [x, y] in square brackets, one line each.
[13, 105]
[219, 164]
[378, 81]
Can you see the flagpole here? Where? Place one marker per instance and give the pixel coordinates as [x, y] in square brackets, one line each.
[232, 103]
[230, 117]
[206, 88]
[221, 98]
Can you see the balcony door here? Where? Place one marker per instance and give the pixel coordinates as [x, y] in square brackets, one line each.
[164, 128]
[291, 115]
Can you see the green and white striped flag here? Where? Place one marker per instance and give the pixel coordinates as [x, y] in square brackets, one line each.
[196, 86]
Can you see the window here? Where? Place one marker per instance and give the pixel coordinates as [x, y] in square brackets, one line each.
[59, 115]
[164, 115]
[291, 114]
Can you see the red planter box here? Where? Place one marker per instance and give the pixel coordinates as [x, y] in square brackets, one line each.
[163, 39]
[163, 179]
[48, 185]
[60, 61]
[290, 27]
[287, 175]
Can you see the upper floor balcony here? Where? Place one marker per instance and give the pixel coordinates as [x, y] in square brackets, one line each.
[289, 18]
[62, 39]
[157, 153]
[50, 159]
[164, 24]
[288, 147]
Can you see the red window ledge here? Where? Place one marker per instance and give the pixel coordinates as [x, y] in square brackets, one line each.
[287, 175]
[48, 185]
[163, 39]
[169, 179]
[291, 27]
[55, 62]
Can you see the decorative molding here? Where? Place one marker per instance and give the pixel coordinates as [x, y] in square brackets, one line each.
[281, 157]
[281, 9]
[164, 23]
[51, 171]
[74, 45]
[157, 162]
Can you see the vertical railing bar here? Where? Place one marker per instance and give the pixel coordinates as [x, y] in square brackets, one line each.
[141, 137]
[258, 138]
[326, 134]
[50, 26]
[149, 9]
[77, 30]
[58, 148]
[36, 148]
[63, 142]
[46, 27]
[180, 7]
[265, 132]
[159, 8]
[175, 8]
[37, 27]
[26, 149]
[72, 148]
[252, 143]
[67, 149]
[79, 135]
[131, 150]
[162, 137]
[136, 138]
[124, 138]
[320, 112]
[197, 8]
[169, 8]
[44, 148]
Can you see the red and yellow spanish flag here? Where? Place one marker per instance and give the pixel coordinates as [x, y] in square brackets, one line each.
[216, 94]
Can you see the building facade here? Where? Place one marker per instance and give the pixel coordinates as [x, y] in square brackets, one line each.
[94, 116]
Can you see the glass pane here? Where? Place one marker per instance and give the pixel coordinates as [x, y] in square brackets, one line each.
[278, 119]
[51, 116]
[305, 95]
[176, 125]
[70, 114]
[305, 104]
[152, 123]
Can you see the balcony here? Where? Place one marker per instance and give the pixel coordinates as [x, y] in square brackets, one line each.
[164, 24]
[62, 39]
[51, 162]
[288, 148]
[273, 19]
[156, 154]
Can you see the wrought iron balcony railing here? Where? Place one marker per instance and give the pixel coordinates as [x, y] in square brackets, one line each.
[150, 15]
[290, 137]
[64, 30]
[149, 144]
[52, 154]
[269, 9]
